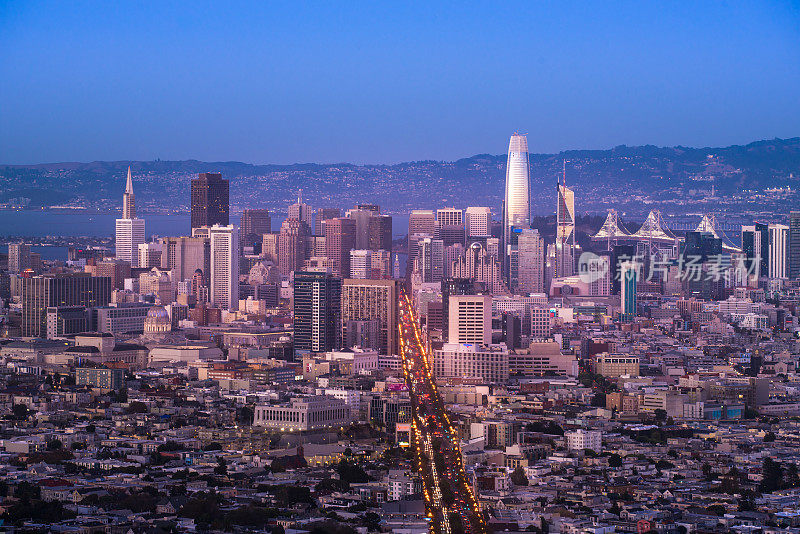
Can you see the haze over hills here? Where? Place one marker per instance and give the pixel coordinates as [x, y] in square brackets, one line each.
[631, 179]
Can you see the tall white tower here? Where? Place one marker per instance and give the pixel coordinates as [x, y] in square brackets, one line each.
[129, 229]
[517, 202]
[224, 266]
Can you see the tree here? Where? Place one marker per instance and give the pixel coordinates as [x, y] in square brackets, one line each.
[769, 437]
[772, 476]
[54, 445]
[222, 466]
[614, 460]
[137, 407]
[660, 414]
[20, 412]
[518, 477]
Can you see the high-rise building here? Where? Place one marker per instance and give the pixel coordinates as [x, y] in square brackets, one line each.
[210, 200]
[778, 264]
[430, 260]
[184, 256]
[128, 199]
[469, 319]
[150, 255]
[129, 229]
[361, 215]
[629, 272]
[455, 286]
[530, 262]
[254, 224]
[322, 215]
[317, 312]
[292, 246]
[565, 232]
[794, 245]
[421, 223]
[340, 239]
[116, 270]
[619, 254]
[224, 291]
[301, 211]
[58, 290]
[449, 217]
[360, 264]
[450, 226]
[755, 247]
[129, 235]
[516, 203]
[365, 300]
[380, 232]
[19, 257]
[478, 222]
[478, 264]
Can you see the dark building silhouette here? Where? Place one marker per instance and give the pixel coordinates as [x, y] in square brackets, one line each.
[254, 224]
[380, 232]
[210, 200]
[794, 245]
[322, 215]
[58, 290]
[317, 312]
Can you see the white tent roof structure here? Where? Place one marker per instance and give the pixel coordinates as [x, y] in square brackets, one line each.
[654, 229]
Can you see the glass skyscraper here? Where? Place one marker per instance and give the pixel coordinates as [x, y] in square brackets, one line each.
[516, 203]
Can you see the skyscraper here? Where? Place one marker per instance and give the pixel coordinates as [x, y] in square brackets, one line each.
[516, 203]
[340, 239]
[455, 286]
[778, 264]
[365, 300]
[322, 215]
[75, 289]
[794, 245]
[421, 223]
[360, 264]
[380, 232]
[361, 215]
[629, 272]
[469, 319]
[19, 257]
[430, 260]
[565, 231]
[128, 199]
[184, 256]
[301, 211]
[255, 223]
[224, 267]
[755, 246]
[478, 222]
[530, 261]
[317, 312]
[210, 200]
[292, 246]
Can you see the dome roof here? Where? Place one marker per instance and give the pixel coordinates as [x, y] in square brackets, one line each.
[158, 312]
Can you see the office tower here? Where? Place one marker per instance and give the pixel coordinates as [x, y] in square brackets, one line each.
[224, 291]
[456, 286]
[452, 254]
[361, 215]
[75, 289]
[150, 255]
[316, 246]
[430, 260]
[322, 215]
[184, 256]
[701, 245]
[477, 221]
[360, 263]
[129, 229]
[421, 223]
[755, 247]
[619, 255]
[629, 272]
[292, 246]
[794, 245]
[19, 257]
[381, 264]
[129, 235]
[210, 200]
[129, 199]
[449, 217]
[269, 247]
[115, 270]
[478, 264]
[600, 286]
[317, 312]
[301, 211]
[565, 231]
[380, 232]
[254, 224]
[778, 264]
[366, 300]
[516, 203]
[469, 319]
[530, 262]
[340, 239]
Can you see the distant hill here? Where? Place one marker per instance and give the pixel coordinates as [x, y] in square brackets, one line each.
[629, 178]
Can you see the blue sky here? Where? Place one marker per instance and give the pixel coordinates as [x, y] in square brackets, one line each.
[381, 82]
